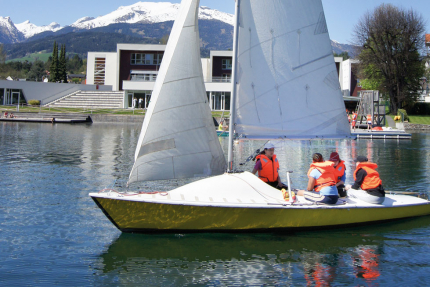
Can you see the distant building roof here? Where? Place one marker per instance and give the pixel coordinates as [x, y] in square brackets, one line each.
[428, 39]
[79, 76]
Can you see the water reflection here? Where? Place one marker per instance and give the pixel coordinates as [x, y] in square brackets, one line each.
[346, 256]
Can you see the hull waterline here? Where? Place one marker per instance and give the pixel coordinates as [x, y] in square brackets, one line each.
[140, 216]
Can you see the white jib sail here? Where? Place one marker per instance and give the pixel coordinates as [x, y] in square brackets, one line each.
[178, 137]
[287, 82]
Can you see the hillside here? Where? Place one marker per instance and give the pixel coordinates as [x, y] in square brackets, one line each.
[215, 35]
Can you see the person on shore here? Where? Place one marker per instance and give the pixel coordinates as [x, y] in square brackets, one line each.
[141, 103]
[322, 182]
[367, 178]
[267, 166]
[220, 127]
[339, 168]
[354, 120]
[369, 122]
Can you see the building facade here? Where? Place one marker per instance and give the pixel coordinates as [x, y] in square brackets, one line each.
[133, 68]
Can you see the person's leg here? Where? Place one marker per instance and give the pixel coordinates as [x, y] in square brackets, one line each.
[318, 198]
[364, 196]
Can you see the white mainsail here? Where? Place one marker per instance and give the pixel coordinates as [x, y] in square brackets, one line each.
[286, 79]
[178, 138]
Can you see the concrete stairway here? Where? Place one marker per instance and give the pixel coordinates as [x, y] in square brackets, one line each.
[90, 100]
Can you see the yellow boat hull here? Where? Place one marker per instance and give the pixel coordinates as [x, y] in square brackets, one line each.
[141, 216]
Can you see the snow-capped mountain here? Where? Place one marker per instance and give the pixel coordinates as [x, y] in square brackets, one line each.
[147, 12]
[8, 31]
[29, 29]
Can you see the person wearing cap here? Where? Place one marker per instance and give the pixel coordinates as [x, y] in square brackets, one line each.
[339, 168]
[267, 166]
[367, 178]
[322, 182]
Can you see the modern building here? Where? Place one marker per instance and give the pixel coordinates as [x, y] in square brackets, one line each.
[133, 68]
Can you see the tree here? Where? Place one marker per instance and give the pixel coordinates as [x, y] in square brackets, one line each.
[164, 39]
[53, 69]
[37, 71]
[62, 65]
[391, 39]
[344, 55]
[2, 55]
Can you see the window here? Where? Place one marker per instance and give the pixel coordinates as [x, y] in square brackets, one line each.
[99, 71]
[157, 59]
[226, 78]
[141, 76]
[220, 101]
[226, 64]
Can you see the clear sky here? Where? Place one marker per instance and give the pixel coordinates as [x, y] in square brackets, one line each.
[341, 15]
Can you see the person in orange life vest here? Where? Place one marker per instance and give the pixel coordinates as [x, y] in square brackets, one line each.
[369, 121]
[322, 179]
[267, 166]
[339, 167]
[366, 178]
[354, 120]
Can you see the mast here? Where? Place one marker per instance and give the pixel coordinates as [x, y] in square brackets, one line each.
[233, 91]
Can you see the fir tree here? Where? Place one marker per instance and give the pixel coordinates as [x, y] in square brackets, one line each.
[62, 65]
[53, 70]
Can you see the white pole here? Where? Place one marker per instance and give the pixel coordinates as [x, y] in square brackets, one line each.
[234, 84]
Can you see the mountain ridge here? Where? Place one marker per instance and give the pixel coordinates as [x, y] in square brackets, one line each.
[143, 21]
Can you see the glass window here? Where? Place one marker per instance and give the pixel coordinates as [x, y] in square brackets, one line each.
[226, 64]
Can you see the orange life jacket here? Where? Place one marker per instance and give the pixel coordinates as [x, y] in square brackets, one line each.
[354, 117]
[327, 177]
[369, 118]
[269, 168]
[339, 170]
[372, 179]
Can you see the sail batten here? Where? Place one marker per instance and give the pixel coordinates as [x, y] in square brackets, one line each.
[178, 138]
[286, 79]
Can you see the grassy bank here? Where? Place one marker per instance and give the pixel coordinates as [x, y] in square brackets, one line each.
[129, 112]
[423, 120]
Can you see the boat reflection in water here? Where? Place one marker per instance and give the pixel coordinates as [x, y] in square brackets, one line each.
[348, 256]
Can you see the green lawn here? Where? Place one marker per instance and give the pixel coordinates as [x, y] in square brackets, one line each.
[32, 57]
[137, 112]
[424, 120]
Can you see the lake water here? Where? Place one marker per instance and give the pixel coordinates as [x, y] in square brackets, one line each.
[52, 233]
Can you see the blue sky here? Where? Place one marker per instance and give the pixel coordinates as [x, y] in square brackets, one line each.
[341, 15]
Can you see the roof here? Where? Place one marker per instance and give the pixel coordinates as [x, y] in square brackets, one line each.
[428, 39]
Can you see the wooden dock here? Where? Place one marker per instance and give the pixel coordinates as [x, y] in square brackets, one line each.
[387, 134]
[46, 117]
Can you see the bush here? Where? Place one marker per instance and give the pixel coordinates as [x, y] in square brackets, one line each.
[34, 102]
[405, 114]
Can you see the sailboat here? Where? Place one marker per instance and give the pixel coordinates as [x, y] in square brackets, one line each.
[285, 85]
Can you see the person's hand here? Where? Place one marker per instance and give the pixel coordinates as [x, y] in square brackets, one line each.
[347, 187]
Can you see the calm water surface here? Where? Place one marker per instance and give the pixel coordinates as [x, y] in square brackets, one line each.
[52, 233]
